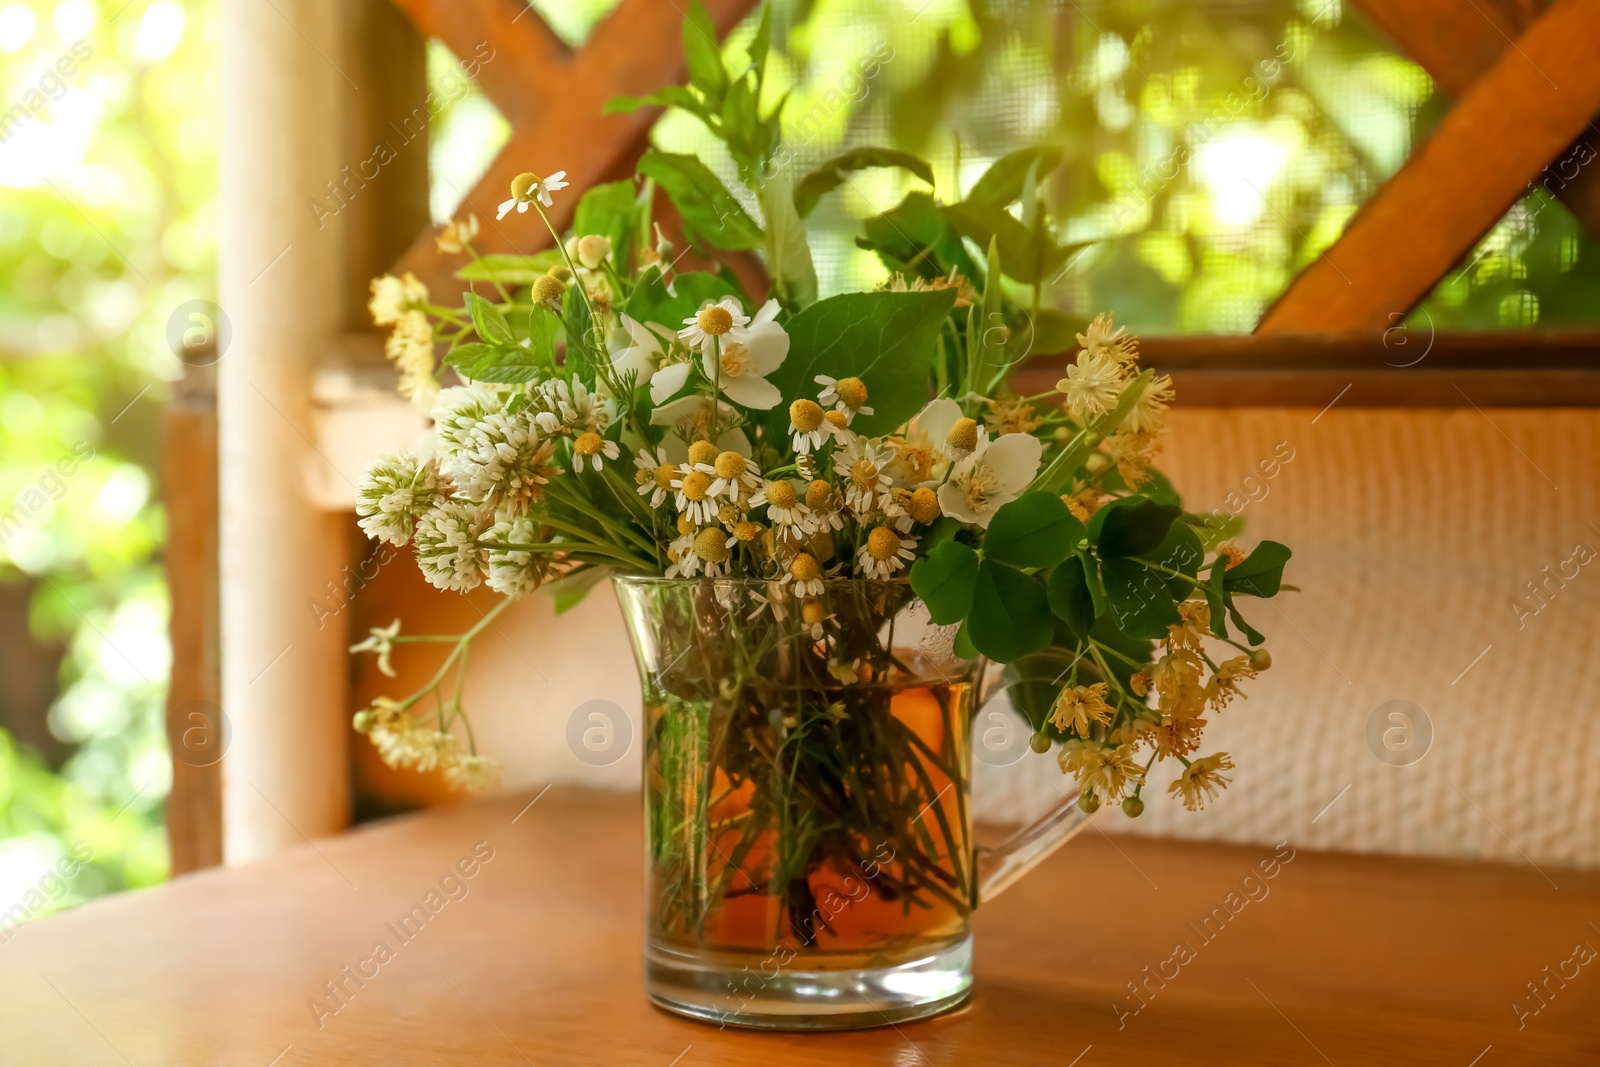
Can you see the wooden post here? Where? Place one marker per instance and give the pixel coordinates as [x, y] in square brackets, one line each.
[284, 673]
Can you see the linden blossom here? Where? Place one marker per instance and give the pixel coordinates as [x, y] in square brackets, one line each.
[452, 887]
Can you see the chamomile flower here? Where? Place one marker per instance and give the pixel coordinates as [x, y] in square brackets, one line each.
[837, 424]
[846, 395]
[680, 553]
[808, 425]
[789, 518]
[457, 235]
[591, 448]
[816, 617]
[884, 553]
[528, 187]
[713, 549]
[714, 319]
[655, 475]
[940, 431]
[806, 575]
[823, 500]
[736, 476]
[693, 496]
[867, 483]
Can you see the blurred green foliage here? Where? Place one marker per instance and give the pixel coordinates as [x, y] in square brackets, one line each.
[107, 182]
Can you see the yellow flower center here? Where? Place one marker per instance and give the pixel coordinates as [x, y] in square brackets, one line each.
[882, 544]
[853, 391]
[714, 320]
[547, 290]
[735, 360]
[522, 185]
[864, 474]
[588, 444]
[730, 465]
[696, 484]
[782, 494]
[711, 545]
[727, 514]
[813, 612]
[747, 531]
[805, 568]
[837, 419]
[702, 452]
[924, 505]
[819, 495]
[976, 489]
[963, 435]
[664, 475]
[685, 525]
[805, 415]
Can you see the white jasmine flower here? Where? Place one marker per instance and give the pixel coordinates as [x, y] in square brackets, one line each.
[394, 490]
[642, 355]
[692, 419]
[714, 319]
[746, 356]
[655, 476]
[513, 572]
[447, 547]
[942, 428]
[380, 641]
[528, 187]
[591, 447]
[884, 553]
[993, 476]
[1092, 385]
[503, 464]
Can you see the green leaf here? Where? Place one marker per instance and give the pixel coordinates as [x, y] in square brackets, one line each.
[708, 209]
[543, 328]
[702, 54]
[1002, 183]
[963, 646]
[1070, 598]
[1131, 526]
[1091, 575]
[653, 302]
[835, 172]
[1010, 613]
[666, 96]
[569, 592]
[1180, 550]
[487, 320]
[1034, 530]
[581, 355]
[609, 210]
[885, 339]
[1214, 595]
[1262, 573]
[510, 270]
[915, 236]
[503, 364]
[944, 579]
[1140, 602]
[1254, 636]
[794, 275]
[1029, 256]
[761, 43]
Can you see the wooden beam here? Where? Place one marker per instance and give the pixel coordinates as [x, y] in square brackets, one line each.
[1530, 105]
[1456, 42]
[1493, 369]
[557, 102]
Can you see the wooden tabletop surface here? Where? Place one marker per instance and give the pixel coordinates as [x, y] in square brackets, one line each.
[1333, 959]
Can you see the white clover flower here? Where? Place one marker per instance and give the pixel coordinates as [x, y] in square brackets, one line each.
[447, 547]
[503, 464]
[991, 477]
[458, 409]
[558, 407]
[394, 490]
[528, 187]
[514, 572]
[380, 642]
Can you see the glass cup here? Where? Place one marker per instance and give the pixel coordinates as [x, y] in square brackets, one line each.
[807, 798]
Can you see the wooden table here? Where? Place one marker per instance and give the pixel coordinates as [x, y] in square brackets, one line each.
[1333, 960]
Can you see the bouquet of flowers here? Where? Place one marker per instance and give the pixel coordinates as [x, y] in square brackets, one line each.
[599, 412]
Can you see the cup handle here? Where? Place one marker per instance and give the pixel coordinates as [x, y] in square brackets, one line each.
[998, 867]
